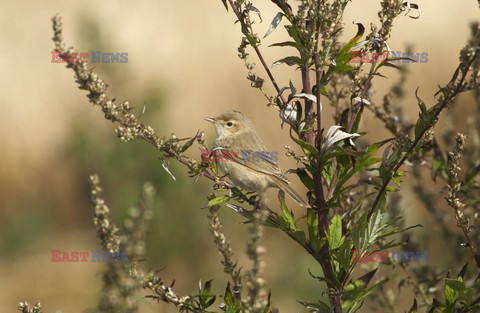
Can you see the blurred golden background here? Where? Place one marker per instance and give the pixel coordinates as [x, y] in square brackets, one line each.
[182, 62]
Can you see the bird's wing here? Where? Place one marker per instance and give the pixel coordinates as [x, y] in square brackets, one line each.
[263, 161]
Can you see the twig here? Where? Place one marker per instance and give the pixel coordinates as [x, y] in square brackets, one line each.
[442, 104]
[246, 32]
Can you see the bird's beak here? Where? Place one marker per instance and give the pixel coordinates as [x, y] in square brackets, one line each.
[209, 119]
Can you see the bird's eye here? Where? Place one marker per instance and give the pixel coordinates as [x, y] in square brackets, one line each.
[229, 124]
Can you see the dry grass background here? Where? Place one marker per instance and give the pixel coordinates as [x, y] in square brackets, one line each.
[182, 61]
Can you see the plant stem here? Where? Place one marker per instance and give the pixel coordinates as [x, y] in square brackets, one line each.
[442, 104]
[246, 31]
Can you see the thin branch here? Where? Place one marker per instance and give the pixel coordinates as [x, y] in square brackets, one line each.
[245, 31]
[442, 104]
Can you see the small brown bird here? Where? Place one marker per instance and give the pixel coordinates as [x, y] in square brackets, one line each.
[252, 167]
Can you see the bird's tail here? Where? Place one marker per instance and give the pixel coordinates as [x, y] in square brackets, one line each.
[292, 193]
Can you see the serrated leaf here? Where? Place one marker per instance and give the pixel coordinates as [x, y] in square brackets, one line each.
[367, 231]
[276, 20]
[356, 292]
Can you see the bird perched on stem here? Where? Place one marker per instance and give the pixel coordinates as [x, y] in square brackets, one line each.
[246, 161]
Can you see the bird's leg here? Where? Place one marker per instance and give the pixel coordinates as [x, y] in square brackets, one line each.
[221, 183]
[256, 201]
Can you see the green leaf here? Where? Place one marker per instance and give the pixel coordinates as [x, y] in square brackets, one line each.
[425, 119]
[344, 68]
[471, 174]
[439, 166]
[356, 124]
[285, 44]
[305, 178]
[343, 255]
[295, 34]
[218, 200]
[450, 297]
[323, 90]
[345, 54]
[317, 308]
[356, 292]
[299, 236]
[290, 61]
[305, 145]
[232, 304]
[368, 277]
[456, 284]
[387, 64]
[188, 144]
[334, 234]
[367, 232]
[419, 127]
[312, 223]
[421, 104]
[363, 162]
[396, 177]
[252, 40]
[287, 214]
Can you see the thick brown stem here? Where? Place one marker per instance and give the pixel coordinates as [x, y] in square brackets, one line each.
[309, 135]
[324, 254]
[322, 212]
